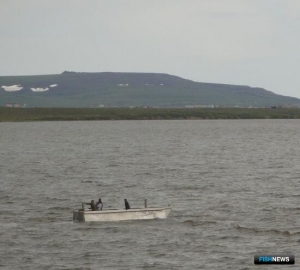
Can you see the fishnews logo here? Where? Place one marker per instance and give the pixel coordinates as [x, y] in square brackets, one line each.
[274, 259]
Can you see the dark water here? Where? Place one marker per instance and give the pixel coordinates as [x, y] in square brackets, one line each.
[233, 185]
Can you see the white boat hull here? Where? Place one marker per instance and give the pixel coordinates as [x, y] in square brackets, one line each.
[119, 215]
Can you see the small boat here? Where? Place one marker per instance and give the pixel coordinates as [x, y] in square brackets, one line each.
[121, 214]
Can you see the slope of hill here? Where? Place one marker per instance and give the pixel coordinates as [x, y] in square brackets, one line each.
[109, 89]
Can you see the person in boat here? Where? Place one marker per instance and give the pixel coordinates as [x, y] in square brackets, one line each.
[99, 204]
[127, 206]
[93, 206]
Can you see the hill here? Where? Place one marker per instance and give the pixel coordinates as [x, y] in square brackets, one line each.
[113, 89]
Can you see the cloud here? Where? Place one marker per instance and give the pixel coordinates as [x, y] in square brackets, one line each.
[214, 30]
[12, 88]
[53, 85]
[292, 9]
[39, 89]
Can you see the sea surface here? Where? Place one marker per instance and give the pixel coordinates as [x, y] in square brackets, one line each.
[234, 188]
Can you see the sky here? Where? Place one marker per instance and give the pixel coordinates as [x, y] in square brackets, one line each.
[241, 42]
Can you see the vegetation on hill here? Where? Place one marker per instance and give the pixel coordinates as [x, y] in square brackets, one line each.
[70, 114]
[112, 89]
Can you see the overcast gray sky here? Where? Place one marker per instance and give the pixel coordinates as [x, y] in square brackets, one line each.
[245, 42]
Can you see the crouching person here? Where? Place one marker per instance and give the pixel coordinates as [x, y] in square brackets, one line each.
[93, 206]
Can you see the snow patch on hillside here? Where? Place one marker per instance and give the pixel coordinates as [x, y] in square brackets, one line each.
[39, 89]
[12, 88]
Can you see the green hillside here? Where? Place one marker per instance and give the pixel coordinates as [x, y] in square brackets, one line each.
[111, 89]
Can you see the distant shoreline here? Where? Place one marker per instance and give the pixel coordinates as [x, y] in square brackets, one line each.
[84, 114]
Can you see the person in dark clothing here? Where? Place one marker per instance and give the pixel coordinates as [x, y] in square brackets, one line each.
[99, 204]
[127, 206]
[93, 206]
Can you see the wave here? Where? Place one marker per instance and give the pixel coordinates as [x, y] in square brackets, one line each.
[289, 208]
[261, 230]
[231, 237]
[7, 212]
[57, 199]
[188, 188]
[112, 165]
[59, 208]
[198, 223]
[145, 173]
[130, 186]
[43, 219]
[86, 181]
